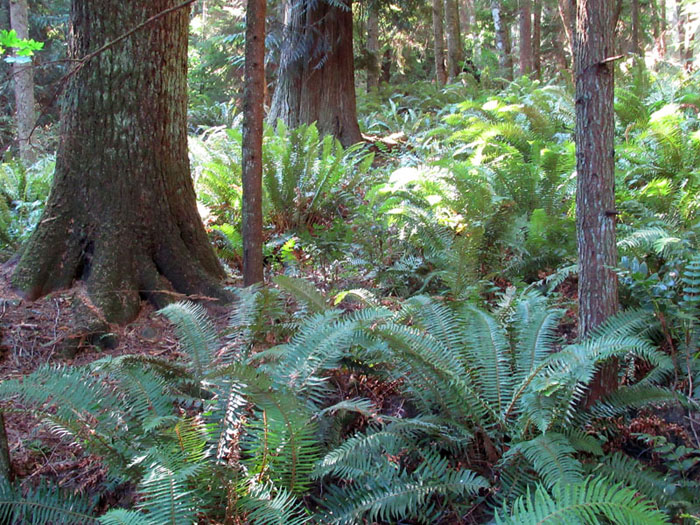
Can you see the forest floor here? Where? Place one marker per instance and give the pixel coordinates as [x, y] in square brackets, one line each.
[47, 331]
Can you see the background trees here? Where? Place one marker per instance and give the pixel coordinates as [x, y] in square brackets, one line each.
[317, 74]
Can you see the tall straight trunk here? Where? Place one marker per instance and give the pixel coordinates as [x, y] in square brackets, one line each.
[681, 31]
[465, 16]
[537, 38]
[374, 66]
[595, 165]
[253, 115]
[655, 25]
[525, 26]
[317, 70]
[455, 53]
[23, 75]
[635, 28]
[122, 214]
[662, 16]
[505, 60]
[567, 10]
[439, 44]
[688, 44]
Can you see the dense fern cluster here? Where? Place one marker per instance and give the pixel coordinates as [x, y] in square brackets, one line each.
[492, 419]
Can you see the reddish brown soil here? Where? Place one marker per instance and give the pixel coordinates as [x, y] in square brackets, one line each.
[47, 331]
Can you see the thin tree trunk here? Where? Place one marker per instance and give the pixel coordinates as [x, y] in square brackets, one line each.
[635, 28]
[122, 213]
[595, 165]
[566, 12]
[537, 38]
[386, 66]
[317, 70]
[253, 115]
[23, 75]
[373, 55]
[525, 25]
[455, 54]
[505, 60]
[465, 16]
[439, 44]
[681, 32]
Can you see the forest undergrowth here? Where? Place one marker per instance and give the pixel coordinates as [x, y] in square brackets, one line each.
[414, 357]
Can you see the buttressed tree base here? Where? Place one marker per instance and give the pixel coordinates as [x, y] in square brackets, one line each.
[122, 212]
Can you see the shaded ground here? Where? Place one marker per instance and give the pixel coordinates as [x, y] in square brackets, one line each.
[48, 331]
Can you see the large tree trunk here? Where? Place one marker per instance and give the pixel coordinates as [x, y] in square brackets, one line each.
[526, 60]
[253, 116]
[537, 38]
[374, 66]
[317, 71]
[505, 60]
[455, 53]
[23, 75]
[439, 43]
[122, 214]
[595, 165]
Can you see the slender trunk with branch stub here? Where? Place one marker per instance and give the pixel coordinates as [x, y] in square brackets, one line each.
[595, 164]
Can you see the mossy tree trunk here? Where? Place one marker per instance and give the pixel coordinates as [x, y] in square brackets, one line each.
[122, 214]
[317, 70]
[505, 59]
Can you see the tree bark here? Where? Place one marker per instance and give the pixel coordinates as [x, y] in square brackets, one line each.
[374, 66]
[505, 60]
[595, 164]
[635, 28]
[537, 38]
[317, 71]
[439, 43]
[567, 9]
[455, 54]
[23, 75]
[465, 16]
[526, 59]
[122, 213]
[253, 116]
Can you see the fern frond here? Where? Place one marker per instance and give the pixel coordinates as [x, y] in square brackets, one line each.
[43, 505]
[551, 454]
[589, 502]
[265, 507]
[402, 497]
[303, 291]
[196, 333]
